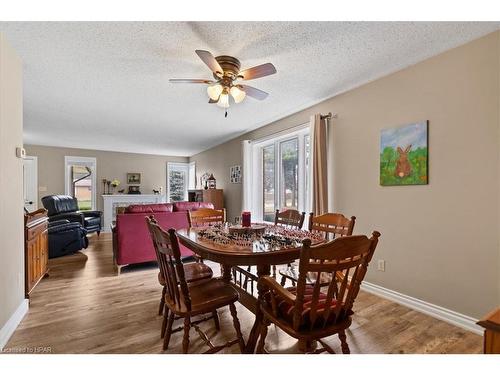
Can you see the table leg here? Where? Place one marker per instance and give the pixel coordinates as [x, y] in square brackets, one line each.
[226, 272]
[264, 270]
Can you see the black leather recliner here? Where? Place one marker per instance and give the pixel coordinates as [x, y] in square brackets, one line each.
[65, 207]
[66, 237]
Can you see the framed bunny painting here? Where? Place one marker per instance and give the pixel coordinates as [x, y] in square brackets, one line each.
[404, 158]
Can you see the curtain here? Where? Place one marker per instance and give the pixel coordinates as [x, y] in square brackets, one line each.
[319, 164]
[246, 147]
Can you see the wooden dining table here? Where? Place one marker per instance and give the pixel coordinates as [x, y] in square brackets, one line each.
[231, 257]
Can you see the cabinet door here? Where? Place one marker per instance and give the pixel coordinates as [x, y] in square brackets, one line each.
[44, 245]
[30, 254]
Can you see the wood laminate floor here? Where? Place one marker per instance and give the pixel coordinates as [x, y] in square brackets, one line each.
[84, 308]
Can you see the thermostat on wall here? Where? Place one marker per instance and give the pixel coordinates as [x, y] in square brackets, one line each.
[20, 152]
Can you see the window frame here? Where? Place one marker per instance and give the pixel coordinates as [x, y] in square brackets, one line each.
[83, 161]
[257, 188]
[184, 165]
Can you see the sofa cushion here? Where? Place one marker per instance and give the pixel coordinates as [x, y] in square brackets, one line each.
[191, 206]
[148, 208]
[133, 240]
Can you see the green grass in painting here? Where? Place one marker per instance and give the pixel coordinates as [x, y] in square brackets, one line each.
[84, 205]
[418, 161]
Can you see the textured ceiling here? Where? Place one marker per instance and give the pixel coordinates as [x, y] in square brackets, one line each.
[104, 85]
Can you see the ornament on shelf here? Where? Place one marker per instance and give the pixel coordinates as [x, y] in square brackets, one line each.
[212, 182]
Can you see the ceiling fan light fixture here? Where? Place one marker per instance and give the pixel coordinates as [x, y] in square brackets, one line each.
[237, 94]
[214, 91]
[223, 100]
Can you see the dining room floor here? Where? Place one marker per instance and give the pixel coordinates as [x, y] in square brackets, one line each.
[83, 307]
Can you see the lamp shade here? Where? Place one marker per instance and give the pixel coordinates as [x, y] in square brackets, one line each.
[237, 94]
[214, 91]
[223, 100]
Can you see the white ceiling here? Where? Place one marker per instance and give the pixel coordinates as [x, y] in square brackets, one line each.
[104, 85]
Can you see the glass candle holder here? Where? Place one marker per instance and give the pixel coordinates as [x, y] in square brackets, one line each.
[246, 218]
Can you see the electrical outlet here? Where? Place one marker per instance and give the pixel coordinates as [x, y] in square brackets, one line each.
[381, 265]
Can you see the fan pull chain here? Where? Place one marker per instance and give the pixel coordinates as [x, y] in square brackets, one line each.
[225, 114]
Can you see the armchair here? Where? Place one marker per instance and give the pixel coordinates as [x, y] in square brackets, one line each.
[65, 207]
[66, 237]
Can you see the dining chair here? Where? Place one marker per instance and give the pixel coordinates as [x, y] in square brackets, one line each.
[192, 271]
[332, 225]
[289, 218]
[206, 217]
[312, 312]
[188, 300]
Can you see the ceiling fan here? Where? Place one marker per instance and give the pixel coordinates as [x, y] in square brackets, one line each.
[227, 74]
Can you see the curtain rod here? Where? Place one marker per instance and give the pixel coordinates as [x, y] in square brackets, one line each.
[329, 116]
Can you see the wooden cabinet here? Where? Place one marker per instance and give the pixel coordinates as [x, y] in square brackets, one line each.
[491, 324]
[36, 249]
[214, 196]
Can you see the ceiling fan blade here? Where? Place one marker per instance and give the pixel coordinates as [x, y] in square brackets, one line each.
[258, 71]
[209, 60]
[253, 92]
[211, 101]
[187, 80]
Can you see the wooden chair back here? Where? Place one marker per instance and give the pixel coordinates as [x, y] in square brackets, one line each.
[349, 256]
[289, 218]
[169, 260]
[206, 217]
[333, 225]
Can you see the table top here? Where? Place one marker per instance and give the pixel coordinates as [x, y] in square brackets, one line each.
[274, 247]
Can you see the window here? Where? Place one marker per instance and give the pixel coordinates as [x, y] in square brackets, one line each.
[180, 178]
[280, 168]
[80, 177]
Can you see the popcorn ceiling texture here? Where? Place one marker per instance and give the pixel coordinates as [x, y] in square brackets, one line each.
[104, 85]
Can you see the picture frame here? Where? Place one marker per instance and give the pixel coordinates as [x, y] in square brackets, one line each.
[133, 178]
[404, 155]
[235, 174]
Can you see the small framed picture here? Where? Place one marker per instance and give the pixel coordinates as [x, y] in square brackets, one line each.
[133, 178]
[235, 174]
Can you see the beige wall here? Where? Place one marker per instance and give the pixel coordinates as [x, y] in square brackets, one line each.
[440, 241]
[11, 183]
[110, 165]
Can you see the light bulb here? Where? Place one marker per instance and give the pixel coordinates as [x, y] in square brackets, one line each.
[237, 94]
[223, 100]
[214, 91]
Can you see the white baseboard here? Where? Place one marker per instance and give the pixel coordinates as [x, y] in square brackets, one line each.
[449, 316]
[11, 325]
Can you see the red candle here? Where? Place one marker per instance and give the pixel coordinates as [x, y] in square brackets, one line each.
[246, 219]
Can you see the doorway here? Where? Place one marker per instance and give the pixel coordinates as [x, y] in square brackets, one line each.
[30, 183]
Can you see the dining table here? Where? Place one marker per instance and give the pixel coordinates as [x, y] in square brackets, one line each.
[261, 251]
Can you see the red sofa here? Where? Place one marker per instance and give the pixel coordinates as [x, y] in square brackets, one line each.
[131, 239]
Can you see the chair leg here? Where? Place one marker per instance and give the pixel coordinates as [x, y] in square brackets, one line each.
[262, 340]
[98, 233]
[185, 340]
[343, 342]
[237, 327]
[164, 323]
[216, 320]
[162, 301]
[168, 332]
[274, 271]
[283, 281]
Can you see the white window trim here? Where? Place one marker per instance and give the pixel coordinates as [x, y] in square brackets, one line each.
[177, 164]
[253, 154]
[71, 160]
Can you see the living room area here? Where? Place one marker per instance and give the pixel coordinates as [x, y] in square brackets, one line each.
[250, 187]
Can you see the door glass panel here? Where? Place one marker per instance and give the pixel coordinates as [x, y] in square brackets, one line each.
[82, 186]
[307, 152]
[269, 183]
[177, 183]
[289, 160]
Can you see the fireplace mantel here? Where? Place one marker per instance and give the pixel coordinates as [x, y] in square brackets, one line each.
[112, 201]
